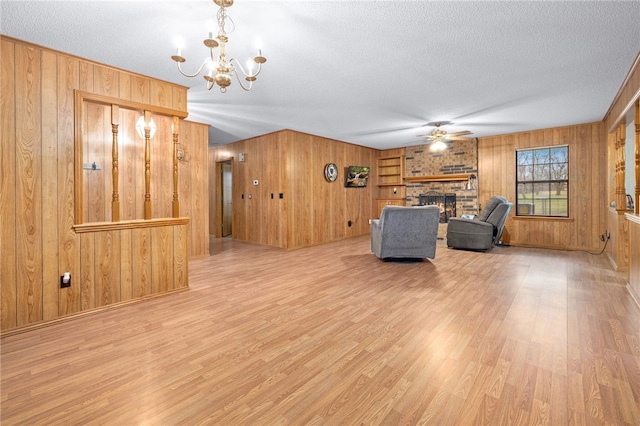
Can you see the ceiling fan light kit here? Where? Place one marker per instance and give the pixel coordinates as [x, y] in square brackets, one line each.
[438, 137]
[438, 145]
[224, 69]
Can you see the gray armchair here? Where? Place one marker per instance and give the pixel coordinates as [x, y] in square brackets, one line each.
[482, 232]
[405, 232]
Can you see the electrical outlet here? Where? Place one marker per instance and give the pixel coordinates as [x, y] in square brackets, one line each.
[65, 280]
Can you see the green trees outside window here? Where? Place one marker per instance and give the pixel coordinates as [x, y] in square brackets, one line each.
[542, 181]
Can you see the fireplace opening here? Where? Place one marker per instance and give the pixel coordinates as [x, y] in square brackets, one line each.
[446, 202]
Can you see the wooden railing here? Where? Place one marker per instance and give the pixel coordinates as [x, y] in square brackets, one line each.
[115, 105]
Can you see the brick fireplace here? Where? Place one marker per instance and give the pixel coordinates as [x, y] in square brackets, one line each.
[460, 157]
[446, 202]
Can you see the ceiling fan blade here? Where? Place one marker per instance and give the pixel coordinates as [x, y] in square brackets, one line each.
[461, 133]
[456, 138]
[417, 143]
[425, 136]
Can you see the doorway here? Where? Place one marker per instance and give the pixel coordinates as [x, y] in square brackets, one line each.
[224, 196]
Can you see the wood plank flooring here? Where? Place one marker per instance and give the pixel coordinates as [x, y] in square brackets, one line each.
[330, 335]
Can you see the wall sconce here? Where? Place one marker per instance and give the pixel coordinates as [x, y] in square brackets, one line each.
[140, 126]
[472, 182]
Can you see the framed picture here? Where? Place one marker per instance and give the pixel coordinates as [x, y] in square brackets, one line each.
[356, 177]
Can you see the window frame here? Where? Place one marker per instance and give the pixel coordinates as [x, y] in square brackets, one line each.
[548, 181]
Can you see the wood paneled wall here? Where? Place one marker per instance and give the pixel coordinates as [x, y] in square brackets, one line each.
[620, 249]
[194, 186]
[618, 234]
[629, 91]
[634, 257]
[37, 198]
[311, 211]
[587, 180]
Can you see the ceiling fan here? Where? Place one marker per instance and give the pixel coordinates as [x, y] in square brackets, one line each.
[438, 136]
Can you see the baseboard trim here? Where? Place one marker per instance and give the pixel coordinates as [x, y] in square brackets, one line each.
[634, 296]
[42, 324]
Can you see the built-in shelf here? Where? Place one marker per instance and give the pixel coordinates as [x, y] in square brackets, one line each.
[391, 171]
[438, 178]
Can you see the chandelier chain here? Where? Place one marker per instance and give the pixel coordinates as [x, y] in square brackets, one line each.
[222, 23]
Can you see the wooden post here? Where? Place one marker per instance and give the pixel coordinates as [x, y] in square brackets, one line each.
[147, 166]
[115, 198]
[616, 156]
[637, 150]
[176, 132]
[621, 192]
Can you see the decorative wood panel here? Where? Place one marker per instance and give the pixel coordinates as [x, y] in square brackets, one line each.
[106, 81]
[69, 241]
[87, 272]
[180, 257]
[8, 239]
[124, 86]
[126, 265]
[51, 294]
[161, 93]
[162, 258]
[194, 186]
[141, 257]
[634, 256]
[28, 203]
[141, 90]
[618, 246]
[38, 181]
[86, 77]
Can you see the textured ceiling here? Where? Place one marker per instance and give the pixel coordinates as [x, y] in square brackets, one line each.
[373, 73]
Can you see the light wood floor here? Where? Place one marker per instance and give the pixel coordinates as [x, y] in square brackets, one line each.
[331, 335]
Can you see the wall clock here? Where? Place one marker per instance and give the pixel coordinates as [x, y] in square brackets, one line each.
[331, 172]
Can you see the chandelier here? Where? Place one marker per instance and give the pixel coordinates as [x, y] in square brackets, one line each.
[220, 73]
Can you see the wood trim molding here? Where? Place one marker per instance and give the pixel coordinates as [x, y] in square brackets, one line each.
[41, 324]
[544, 218]
[636, 95]
[129, 224]
[632, 218]
[81, 98]
[122, 103]
[439, 178]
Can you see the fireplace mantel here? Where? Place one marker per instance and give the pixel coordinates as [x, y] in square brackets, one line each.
[438, 178]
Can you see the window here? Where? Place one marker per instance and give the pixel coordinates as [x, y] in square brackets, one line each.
[542, 181]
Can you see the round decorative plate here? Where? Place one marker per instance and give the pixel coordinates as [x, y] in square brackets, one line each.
[331, 172]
